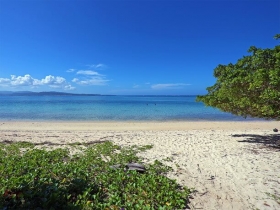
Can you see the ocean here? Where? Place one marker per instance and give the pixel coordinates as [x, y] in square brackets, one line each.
[109, 108]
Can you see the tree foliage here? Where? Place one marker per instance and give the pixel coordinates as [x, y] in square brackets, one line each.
[251, 87]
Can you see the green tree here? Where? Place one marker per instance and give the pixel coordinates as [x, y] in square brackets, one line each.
[251, 87]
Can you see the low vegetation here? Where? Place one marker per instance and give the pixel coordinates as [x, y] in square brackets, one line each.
[32, 178]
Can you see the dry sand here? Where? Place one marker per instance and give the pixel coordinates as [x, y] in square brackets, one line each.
[231, 165]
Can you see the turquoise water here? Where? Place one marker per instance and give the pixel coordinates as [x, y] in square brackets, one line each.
[108, 108]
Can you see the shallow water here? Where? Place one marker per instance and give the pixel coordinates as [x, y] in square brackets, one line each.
[108, 108]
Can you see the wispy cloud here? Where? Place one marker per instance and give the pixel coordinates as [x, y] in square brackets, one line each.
[90, 77]
[69, 87]
[136, 86]
[168, 86]
[28, 81]
[91, 81]
[88, 72]
[70, 70]
[96, 66]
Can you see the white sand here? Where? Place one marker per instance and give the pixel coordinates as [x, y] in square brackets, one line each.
[228, 163]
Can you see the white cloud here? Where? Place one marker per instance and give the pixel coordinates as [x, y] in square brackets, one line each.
[28, 80]
[25, 80]
[168, 86]
[4, 81]
[88, 72]
[83, 77]
[52, 80]
[136, 86]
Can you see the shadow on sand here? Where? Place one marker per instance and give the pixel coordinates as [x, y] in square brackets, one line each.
[269, 141]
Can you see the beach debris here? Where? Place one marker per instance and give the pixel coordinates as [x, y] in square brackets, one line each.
[131, 166]
[201, 194]
[136, 166]
[198, 168]
[275, 130]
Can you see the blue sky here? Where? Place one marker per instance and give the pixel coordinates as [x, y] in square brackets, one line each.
[128, 47]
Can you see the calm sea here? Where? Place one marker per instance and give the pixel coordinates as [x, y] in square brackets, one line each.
[108, 108]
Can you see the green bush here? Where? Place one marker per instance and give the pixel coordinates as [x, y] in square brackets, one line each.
[39, 179]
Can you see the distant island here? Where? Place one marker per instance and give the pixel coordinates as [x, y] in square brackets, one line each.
[50, 93]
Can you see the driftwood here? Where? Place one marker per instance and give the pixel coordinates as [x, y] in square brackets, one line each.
[131, 166]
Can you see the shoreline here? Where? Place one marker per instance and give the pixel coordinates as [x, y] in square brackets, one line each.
[138, 125]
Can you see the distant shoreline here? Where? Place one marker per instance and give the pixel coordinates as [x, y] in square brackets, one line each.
[52, 93]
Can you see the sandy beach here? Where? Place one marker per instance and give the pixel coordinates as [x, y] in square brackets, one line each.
[231, 165]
